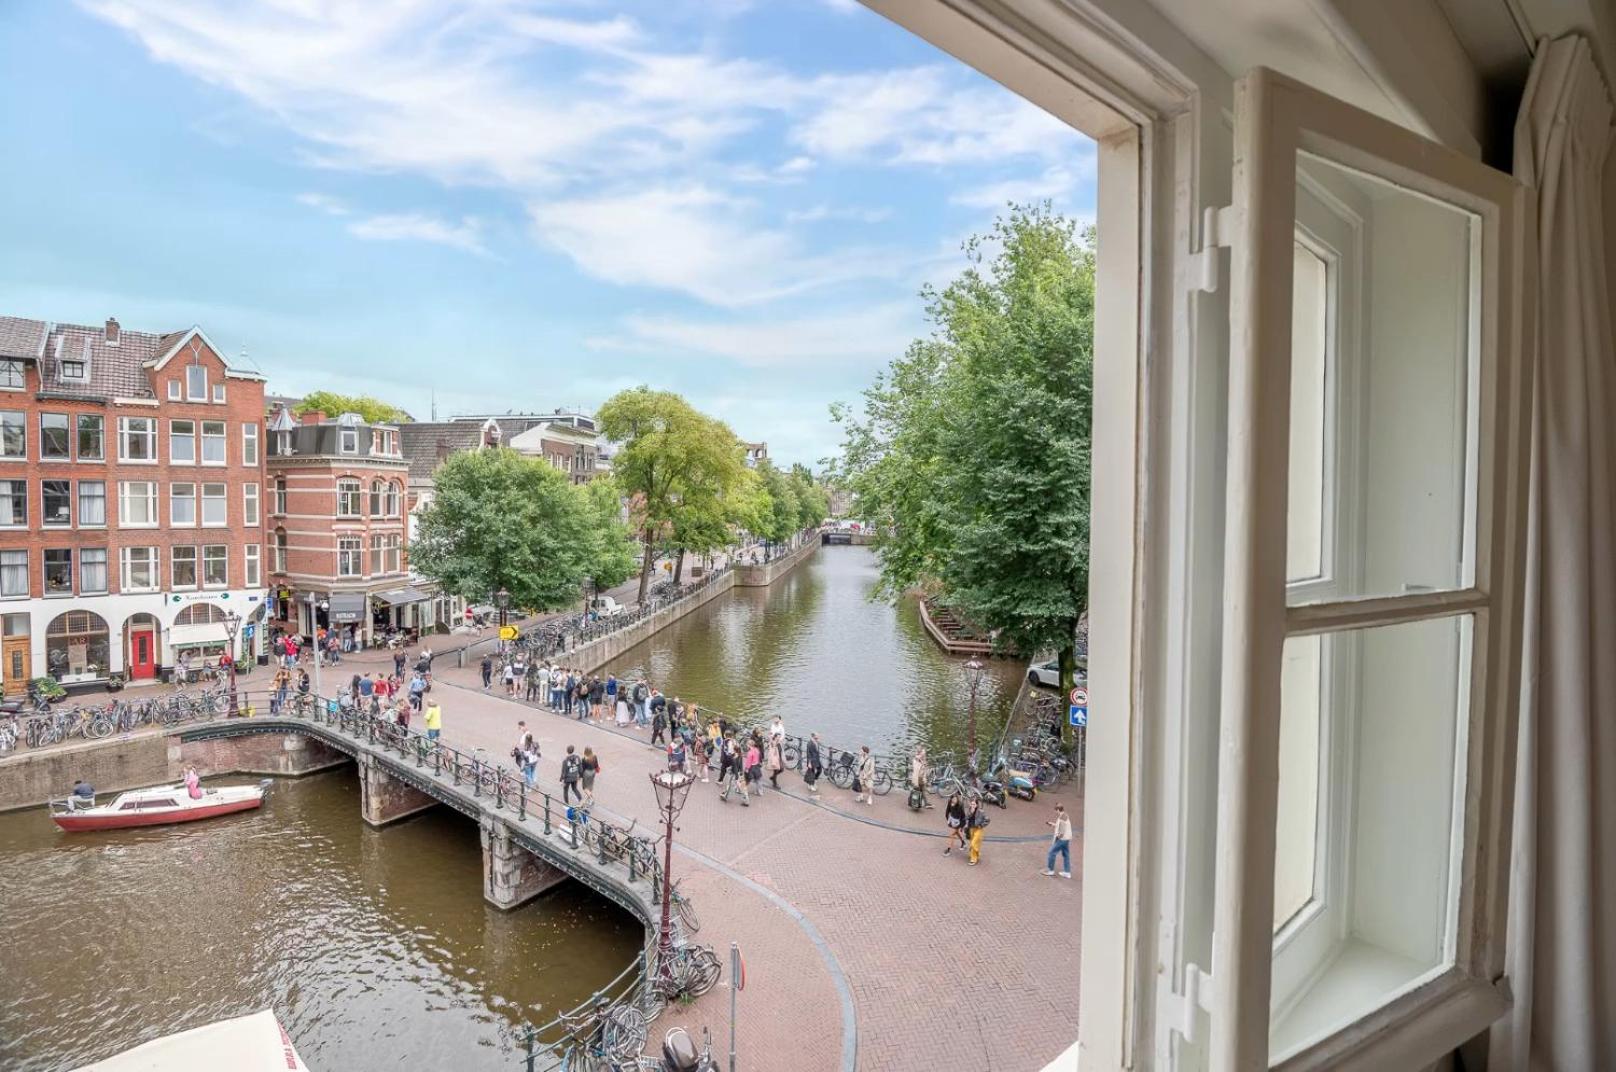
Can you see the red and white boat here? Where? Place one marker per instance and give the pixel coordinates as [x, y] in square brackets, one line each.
[157, 806]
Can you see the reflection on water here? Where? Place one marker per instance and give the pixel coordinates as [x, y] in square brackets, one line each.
[812, 648]
[374, 947]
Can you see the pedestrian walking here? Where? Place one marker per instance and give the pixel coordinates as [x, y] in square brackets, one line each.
[623, 716]
[283, 685]
[398, 663]
[434, 720]
[777, 761]
[589, 767]
[487, 666]
[698, 754]
[731, 774]
[864, 777]
[752, 766]
[976, 822]
[812, 767]
[508, 678]
[642, 696]
[919, 771]
[417, 690]
[1061, 843]
[676, 753]
[659, 725]
[571, 772]
[530, 765]
[954, 816]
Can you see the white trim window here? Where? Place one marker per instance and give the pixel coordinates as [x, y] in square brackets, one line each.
[214, 435]
[378, 495]
[54, 441]
[13, 375]
[174, 390]
[249, 443]
[216, 566]
[349, 503]
[182, 442]
[13, 434]
[14, 504]
[92, 504]
[350, 556]
[395, 498]
[138, 570]
[215, 506]
[92, 571]
[348, 440]
[218, 394]
[13, 574]
[182, 505]
[58, 572]
[196, 383]
[92, 437]
[137, 440]
[137, 504]
[182, 567]
[249, 504]
[56, 504]
[253, 576]
[385, 553]
[279, 547]
[280, 496]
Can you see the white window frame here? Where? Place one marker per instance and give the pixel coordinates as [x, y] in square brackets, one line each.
[350, 556]
[183, 491]
[78, 507]
[44, 515]
[219, 498]
[178, 438]
[214, 554]
[174, 390]
[127, 435]
[350, 497]
[249, 504]
[67, 454]
[218, 394]
[126, 497]
[85, 555]
[252, 561]
[151, 559]
[219, 439]
[347, 440]
[22, 498]
[19, 418]
[249, 443]
[13, 375]
[44, 573]
[189, 554]
[78, 437]
[192, 379]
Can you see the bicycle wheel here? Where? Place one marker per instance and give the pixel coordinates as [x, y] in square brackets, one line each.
[98, 727]
[623, 1032]
[705, 970]
[651, 1001]
[792, 755]
[841, 775]
[883, 782]
[687, 912]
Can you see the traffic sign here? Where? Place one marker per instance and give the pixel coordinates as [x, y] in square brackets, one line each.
[1079, 715]
[1080, 696]
[507, 632]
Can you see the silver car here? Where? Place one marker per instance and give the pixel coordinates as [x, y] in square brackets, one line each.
[1047, 674]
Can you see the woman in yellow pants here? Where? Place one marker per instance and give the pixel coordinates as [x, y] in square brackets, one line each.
[976, 823]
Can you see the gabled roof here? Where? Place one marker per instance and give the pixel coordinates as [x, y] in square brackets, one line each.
[426, 443]
[116, 370]
[22, 338]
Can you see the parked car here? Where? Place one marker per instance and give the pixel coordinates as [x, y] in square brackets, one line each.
[1047, 674]
[605, 607]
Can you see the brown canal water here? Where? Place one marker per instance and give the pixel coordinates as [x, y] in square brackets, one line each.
[814, 649]
[374, 947]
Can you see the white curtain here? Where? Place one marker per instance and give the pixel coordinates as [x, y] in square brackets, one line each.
[1562, 941]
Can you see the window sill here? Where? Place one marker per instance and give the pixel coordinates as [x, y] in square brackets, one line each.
[1423, 1014]
[143, 461]
[136, 591]
[57, 595]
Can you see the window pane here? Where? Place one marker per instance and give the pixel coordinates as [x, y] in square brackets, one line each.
[53, 436]
[13, 573]
[1398, 418]
[13, 502]
[58, 572]
[215, 560]
[1301, 716]
[13, 435]
[184, 565]
[93, 570]
[92, 502]
[182, 441]
[91, 431]
[57, 499]
[213, 448]
[213, 504]
[1385, 761]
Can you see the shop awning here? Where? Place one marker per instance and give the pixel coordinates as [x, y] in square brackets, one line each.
[347, 607]
[192, 636]
[398, 597]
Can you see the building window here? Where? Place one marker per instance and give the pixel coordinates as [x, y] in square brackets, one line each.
[139, 569]
[76, 646]
[137, 504]
[13, 573]
[348, 440]
[14, 503]
[54, 439]
[137, 439]
[196, 383]
[74, 370]
[57, 499]
[58, 571]
[92, 570]
[13, 375]
[249, 444]
[249, 500]
[386, 553]
[279, 546]
[280, 495]
[91, 445]
[182, 442]
[182, 562]
[13, 434]
[348, 556]
[173, 390]
[182, 504]
[92, 502]
[253, 579]
[377, 495]
[216, 566]
[215, 512]
[218, 392]
[348, 498]
[213, 451]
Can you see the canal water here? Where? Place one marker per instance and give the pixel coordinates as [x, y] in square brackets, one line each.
[814, 649]
[374, 947]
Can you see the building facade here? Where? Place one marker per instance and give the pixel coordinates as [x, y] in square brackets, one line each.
[337, 536]
[131, 525]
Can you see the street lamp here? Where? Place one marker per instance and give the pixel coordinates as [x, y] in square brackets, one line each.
[502, 600]
[672, 787]
[314, 637]
[973, 677]
[232, 623]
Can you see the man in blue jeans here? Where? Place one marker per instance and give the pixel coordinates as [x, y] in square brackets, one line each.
[1061, 844]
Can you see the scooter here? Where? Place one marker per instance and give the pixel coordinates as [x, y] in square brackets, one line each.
[993, 792]
[917, 798]
[679, 1052]
[1018, 783]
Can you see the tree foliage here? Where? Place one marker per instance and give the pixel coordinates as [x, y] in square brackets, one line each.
[616, 553]
[373, 410]
[972, 450]
[501, 520]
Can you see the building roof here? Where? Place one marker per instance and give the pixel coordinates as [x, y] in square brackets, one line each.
[22, 338]
[116, 369]
[427, 443]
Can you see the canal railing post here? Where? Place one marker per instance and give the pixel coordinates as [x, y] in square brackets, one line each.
[527, 1038]
[547, 813]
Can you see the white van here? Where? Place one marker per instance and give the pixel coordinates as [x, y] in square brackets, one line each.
[605, 607]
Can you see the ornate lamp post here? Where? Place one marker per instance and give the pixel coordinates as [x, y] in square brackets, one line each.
[973, 678]
[502, 600]
[672, 787]
[232, 623]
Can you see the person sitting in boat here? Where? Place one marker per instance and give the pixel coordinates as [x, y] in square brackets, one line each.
[83, 794]
[193, 784]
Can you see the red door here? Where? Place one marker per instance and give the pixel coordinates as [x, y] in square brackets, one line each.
[142, 658]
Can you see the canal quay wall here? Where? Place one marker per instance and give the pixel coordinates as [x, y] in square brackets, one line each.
[761, 576]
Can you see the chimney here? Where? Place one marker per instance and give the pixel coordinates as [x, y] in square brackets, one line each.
[313, 416]
[112, 332]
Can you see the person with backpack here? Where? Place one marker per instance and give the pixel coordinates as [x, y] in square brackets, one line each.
[731, 774]
[571, 771]
[954, 813]
[488, 671]
[659, 725]
[676, 753]
[642, 695]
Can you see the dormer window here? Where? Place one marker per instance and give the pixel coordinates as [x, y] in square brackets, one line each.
[348, 433]
[196, 383]
[75, 370]
[13, 375]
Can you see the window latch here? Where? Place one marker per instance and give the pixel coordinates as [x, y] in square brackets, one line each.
[1217, 227]
[1181, 1012]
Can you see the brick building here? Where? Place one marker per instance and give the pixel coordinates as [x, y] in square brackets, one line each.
[130, 512]
[336, 529]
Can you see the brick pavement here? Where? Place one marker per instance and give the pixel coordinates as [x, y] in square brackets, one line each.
[947, 966]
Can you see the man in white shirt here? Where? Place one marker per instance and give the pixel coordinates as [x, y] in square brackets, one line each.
[1061, 843]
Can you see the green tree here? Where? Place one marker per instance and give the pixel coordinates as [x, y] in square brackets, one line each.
[681, 468]
[373, 410]
[973, 450]
[813, 500]
[616, 553]
[501, 520]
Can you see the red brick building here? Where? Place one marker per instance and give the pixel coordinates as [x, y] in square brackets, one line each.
[131, 521]
[337, 525]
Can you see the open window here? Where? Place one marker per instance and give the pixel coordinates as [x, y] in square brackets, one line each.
[1372, 584]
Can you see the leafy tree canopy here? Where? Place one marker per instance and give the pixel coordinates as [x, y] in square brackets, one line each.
[616, 554]
[373, 410]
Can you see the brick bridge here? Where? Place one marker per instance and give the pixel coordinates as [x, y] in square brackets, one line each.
[528, 844]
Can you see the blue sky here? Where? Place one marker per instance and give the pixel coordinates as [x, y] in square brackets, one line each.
[515, 205]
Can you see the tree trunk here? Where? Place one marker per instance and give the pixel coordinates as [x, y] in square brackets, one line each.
[1068, 667]
[647, 563]
[679, 565]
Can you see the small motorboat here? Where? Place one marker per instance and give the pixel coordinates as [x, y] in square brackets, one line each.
[254, 1043]
[157, 806]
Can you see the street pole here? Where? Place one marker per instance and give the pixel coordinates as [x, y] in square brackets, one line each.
[232, 623]
[734, 988]
[314, 637]
[672, 787]
[973, 671]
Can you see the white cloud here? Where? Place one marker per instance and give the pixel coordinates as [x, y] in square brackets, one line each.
[694, 240]
[862, 337]
[324, 202]
[1055, 184]
[826, 212]
[415, 227]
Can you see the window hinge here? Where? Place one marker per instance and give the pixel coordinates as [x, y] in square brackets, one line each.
[1181, 1012]
[1217, 228]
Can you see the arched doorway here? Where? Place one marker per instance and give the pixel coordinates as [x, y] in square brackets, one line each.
[140, 646]
[77, 647]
